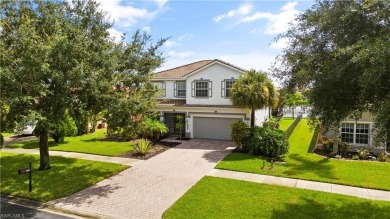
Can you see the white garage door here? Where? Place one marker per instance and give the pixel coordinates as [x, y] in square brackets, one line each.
[213, 128]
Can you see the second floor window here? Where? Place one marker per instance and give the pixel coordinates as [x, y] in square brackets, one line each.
[201, 88]
[180, 89]
[227, 88]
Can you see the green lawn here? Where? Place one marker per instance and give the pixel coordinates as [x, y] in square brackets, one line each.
[66, 176]
[89, 144]
[303, 165]
[7, 134]
[227, 198]
[285, 122]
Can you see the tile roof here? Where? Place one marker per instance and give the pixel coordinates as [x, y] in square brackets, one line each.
[185, 70]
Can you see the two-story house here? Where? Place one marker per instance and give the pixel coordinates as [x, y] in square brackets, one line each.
[200, 91]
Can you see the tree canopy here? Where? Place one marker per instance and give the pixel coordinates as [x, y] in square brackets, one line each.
[58, 58]
[340, 51]
[253, 90]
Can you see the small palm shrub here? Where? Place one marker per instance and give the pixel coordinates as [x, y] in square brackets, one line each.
[362, 153]
[153, 129]
[180, 124]
[143, 146]
[383, 157]
[240, 131]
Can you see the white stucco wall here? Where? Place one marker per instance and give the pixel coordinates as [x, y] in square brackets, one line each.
[215, 73]
[261, 115]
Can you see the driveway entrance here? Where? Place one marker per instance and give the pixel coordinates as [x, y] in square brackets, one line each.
[149, 188]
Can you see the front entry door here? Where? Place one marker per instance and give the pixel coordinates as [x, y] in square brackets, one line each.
[170, 122]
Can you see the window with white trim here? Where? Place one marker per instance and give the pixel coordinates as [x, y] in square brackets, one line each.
[201, 88]
[226, 87]
[180, 89]
[355, 133]
[161, 86]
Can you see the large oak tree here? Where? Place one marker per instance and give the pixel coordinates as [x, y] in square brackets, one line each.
[58, 58]
[340, 51]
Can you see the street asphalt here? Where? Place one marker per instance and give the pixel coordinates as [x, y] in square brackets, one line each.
[15, 211]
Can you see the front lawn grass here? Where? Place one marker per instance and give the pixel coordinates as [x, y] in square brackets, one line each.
[227, 198]
[66, 176]
[7, 134]
[88, 143]
[303, 165]
[285, 122]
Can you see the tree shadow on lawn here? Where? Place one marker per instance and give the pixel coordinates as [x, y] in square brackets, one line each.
[34, 144]
[66, 176]
[298, 164]
[338, 208]
[215, 156]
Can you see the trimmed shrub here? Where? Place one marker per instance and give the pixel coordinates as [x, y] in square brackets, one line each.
[267, 142]
[67, 127]
[271, 124]
[240, 131]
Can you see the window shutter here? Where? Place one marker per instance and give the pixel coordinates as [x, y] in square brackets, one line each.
[164, 88]
[210, 88]
[193, 89]
[175, 89]
[223, 89]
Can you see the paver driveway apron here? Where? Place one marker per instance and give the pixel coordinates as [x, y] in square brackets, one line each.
[150, 187]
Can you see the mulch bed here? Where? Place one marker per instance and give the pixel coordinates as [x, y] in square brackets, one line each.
[158, 147]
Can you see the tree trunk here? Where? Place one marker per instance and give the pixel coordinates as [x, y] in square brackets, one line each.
[44, 150]
[292, 109]
[252, 118]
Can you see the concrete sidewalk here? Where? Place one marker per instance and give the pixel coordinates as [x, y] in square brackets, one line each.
[303, 184]
[117, 160]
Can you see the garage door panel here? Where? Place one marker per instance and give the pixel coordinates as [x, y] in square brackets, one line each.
[213, 128]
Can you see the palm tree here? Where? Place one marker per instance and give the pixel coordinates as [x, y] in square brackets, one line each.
[253, 90]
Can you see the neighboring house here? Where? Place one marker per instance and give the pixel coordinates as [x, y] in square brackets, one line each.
[359, 133]
[200, 91]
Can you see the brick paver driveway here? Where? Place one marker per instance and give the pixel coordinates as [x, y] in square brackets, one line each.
[150, 187]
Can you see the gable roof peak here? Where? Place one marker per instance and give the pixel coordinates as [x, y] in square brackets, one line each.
[184, 70]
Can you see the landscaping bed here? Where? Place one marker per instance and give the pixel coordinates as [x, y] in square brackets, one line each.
[215, 197]
[158, 147]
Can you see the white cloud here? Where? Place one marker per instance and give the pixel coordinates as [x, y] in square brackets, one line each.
[170, 43]
[147, 29]
[185, 37]
[161, 3]
[128, 15]
[280, 44]
[179, 40]
[241, 11]
[276, 22]
[184, 54]
[116, 35]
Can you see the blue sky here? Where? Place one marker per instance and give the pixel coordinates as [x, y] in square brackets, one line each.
[239, 32]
